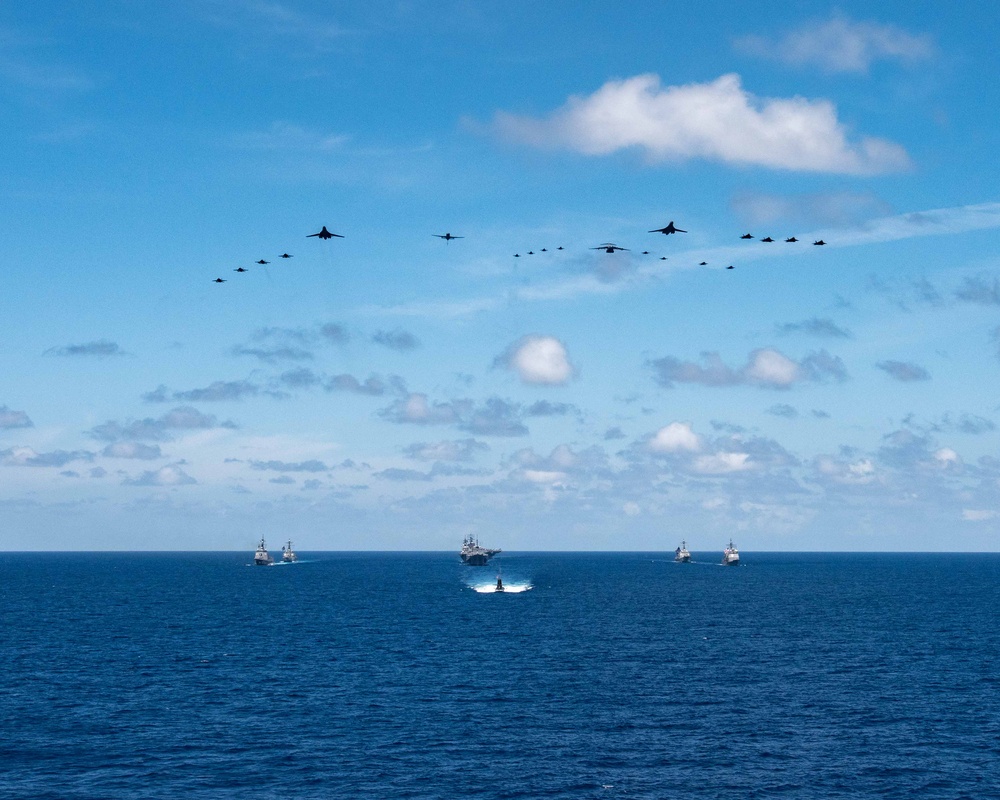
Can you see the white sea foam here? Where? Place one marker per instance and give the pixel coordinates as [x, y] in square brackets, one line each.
[508, 588]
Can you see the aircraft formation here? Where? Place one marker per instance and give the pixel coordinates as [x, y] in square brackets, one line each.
[608, 247]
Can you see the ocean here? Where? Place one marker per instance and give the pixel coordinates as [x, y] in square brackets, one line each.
[607, 675]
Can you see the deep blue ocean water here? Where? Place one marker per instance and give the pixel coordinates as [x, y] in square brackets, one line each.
[372, 675]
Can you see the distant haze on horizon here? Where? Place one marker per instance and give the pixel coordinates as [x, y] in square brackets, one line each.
[394, 390]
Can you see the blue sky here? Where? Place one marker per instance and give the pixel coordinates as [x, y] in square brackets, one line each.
[389, 389]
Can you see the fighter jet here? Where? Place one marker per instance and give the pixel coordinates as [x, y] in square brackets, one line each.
[239, 269]
[218, 280]
[747, 236]
[531, 252]
[286, 255]
[558, 248]
[446, 236]
[543, 250]
[645, 252]
[767, 239]
[663, 258]
[702, 263]
[608, 247]
[325, 234]
[668, 229]
[730, 267]
[262, 261]
[517, 255]
[819, 242]
[791, 239]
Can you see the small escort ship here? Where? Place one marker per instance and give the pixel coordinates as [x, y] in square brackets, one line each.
[731, 556]
[681, 554]
[474, 555]
[287, 554]
[262, 558]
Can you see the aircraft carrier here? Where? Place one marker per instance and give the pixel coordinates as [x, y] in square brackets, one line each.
[474, 555]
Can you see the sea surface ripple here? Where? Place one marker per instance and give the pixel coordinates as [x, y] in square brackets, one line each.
[376, 675]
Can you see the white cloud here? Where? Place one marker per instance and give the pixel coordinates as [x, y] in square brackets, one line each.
[722, 463]
[772, 368]
[170, 475]
[841, 45]
[718, 121]
[674, 438]
[979, 514]
[631, 509]
[544, 476]
[538, 360]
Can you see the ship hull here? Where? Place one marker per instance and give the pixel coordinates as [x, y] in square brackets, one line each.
[477, 560]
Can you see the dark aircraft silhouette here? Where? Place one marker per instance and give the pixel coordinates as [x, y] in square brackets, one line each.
[608, 247]
[730, 267]
[262, 261]
[747, 236]
[531, 252]
[543, 250]
[218, 280]
[663, 258]
[668, 229]
[446, 236]
[325, 234]
[286, 255]
[239, 269]
[558, 248]
[517, 255]
[791, 239]
[645, 252]
[819, 241]
[702, 263]
[767, 239]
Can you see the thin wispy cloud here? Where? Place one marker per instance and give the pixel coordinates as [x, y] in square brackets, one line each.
[716, 121]
[98, 349]
[10, 419]
[841, 45]
[904, 371]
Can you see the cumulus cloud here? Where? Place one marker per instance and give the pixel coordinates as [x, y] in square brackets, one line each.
[132, 450]
[841, 45]
[717, 121]
[170, 475]
[538, 360]
[98, 349]
[218, 391]
[10, 419]
[904, 371]
[495, 417]
[675, 437]
[27, 457]
[816, 327]
[765, 367]
[182, 418]
[722, 463]
[397, 339]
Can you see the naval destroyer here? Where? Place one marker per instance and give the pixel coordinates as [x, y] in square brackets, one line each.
[474, 555]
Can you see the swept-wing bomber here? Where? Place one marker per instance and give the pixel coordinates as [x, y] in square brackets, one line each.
[325, 234]
[668, 229]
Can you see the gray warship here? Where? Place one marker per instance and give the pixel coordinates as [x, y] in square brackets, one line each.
[474, 555]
